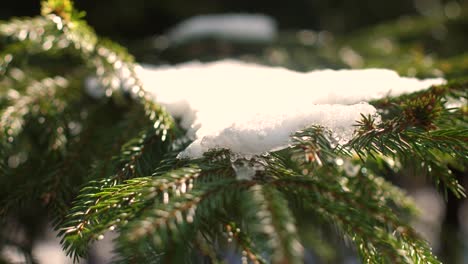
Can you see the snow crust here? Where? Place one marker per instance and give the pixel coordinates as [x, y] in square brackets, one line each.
[252, 109]
[242, 27]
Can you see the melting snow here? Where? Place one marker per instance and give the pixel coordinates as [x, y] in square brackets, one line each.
[251, 109]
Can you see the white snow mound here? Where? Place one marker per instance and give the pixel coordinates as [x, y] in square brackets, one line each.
[252, 109]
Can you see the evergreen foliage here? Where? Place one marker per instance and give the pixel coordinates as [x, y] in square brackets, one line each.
[109, 164]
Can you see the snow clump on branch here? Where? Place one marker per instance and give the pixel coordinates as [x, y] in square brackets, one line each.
[252, 109]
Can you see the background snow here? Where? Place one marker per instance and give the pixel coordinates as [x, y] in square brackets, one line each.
[240, 27]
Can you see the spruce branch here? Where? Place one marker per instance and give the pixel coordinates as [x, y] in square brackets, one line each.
[53, 100]
[178, 204]
[454, 88]
[113, 66]
[61, 31]
[397, 138]
[207, 248]
[72, 168]
[140, 155]
[276, 221]
[329, 157]
[125, 154]
[147, 254]
[35, 101]
[100, 206]
[171, 219]
[372, 198]
[370, 224]
[244, 240]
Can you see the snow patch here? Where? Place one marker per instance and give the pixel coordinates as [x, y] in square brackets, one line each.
[48, 250]
[252, 109]
[239, 27]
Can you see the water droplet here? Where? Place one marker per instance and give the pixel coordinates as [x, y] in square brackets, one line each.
[136, 89]
[108, 92]
[126, 73]
[102, 51]
[33, 35]
[22, 34]
[63, 43]
[307, 37]
[190, 185]
[115, 83]
[351, 169]
[244, 260]
[344, 184]
[339, 162]
[8, 58]
[189, 219]
[183, 187]
[390, 162]
[13, 161]
[100, 71]
[179, 218]
[47, 45]
[58, 21]
[118, 64]
[111, 58]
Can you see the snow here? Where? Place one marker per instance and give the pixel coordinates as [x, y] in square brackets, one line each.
[50, 253]
[47, 250]
[240, 27]
[252, 109]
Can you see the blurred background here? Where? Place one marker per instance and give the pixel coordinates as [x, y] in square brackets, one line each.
[119, 19]
[423, 38]
[145, 27]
